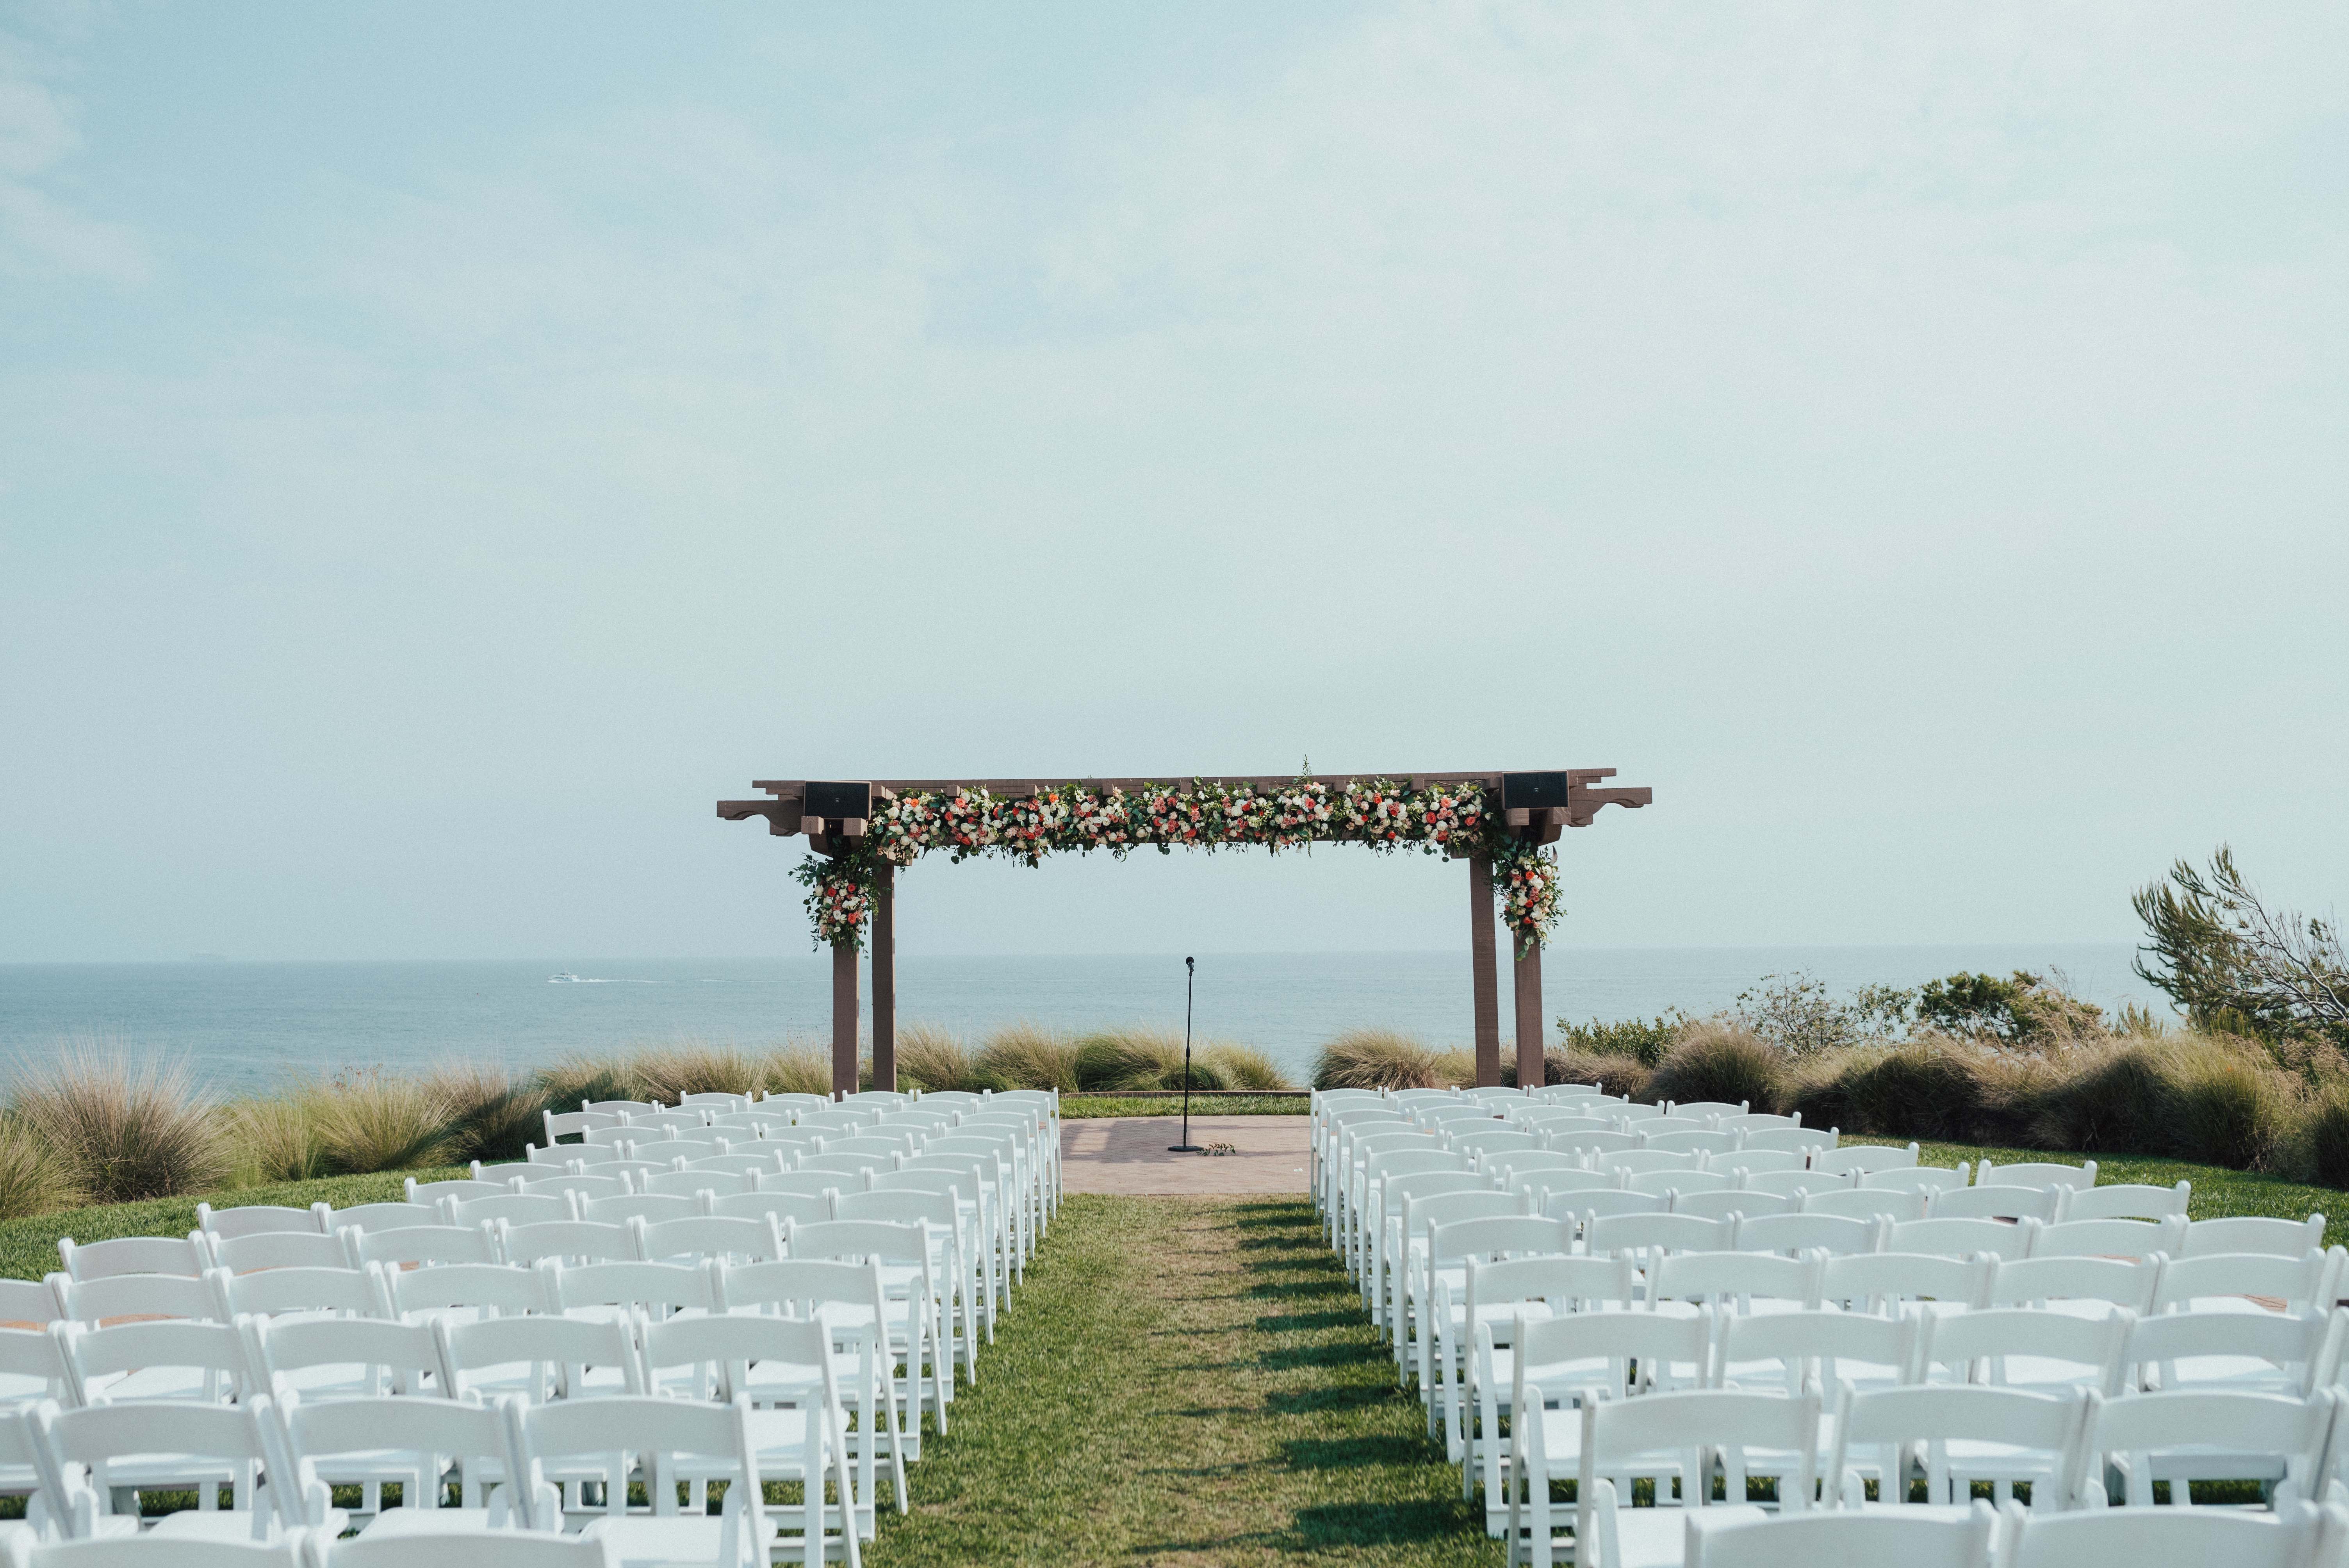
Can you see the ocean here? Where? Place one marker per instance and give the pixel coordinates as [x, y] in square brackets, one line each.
[247, 1026]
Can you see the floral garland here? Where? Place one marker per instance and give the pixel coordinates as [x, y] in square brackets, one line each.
[1378, 814]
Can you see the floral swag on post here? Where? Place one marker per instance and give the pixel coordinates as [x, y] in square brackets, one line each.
[1378, 814]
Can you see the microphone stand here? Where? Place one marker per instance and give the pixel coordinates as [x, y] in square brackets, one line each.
[1190, 973]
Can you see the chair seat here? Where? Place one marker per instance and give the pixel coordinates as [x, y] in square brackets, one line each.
[676, 1541]
[429, 1521]
[233, 1524]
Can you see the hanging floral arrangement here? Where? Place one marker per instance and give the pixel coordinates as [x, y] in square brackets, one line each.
[1380, 813]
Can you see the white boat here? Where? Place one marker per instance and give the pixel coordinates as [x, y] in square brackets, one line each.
[565, 978]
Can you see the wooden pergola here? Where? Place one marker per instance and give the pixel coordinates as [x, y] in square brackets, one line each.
[1535, 808]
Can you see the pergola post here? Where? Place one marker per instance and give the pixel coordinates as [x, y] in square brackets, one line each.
[843, 1018]
[1530, 1072]
[885, 977]
[1481, 958]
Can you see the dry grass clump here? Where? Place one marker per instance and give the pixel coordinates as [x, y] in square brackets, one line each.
[123, 1131]
[798, 1069]
[1722, 1060]
[579, 1079]
[1617, 1072]
[1139, 1057]
[492, 1113]
[33, 1180]
[2322, 1147]
[1244, 1066]
[1383, 1058]
[1023, 1055]
[670, 1073]
[929, 1058]
[368, 1120]
[274, 1139]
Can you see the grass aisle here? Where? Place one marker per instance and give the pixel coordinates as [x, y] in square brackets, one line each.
[1185, 1381]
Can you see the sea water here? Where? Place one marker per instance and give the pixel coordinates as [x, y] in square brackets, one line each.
[244, 1025]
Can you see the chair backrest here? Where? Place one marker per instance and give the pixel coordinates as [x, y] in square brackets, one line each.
[2299, 1353]
[1797, 1183]
[1700, 1142]
[741, 1238]
[1500, 1140]
[859, 1239]
[29, 1301]
[1589, 1142]
[1887, 1422]
[782, 1205]
[1396, 1191]
[2037, 1280]
[1890, 1204]
[1656, 1126]
[2252, 1233]
[2300, 1283]
[278, 1250]
[901, 1208]
[1539, 1184]
[1750, 1161]
[1925, 1178]
[1756, 1120]
[1639, 1160]
[369, 1218]
[1499, 1236]
[666, 1149]
[1606, 1350]
[2181, 1425]
[1785, 1350]
[253, 1219]
[658, 1289]
[2108, 1238]
[1567, 1284]
[816, 1183]
[214, 1349]
[1676, 1181]
[1726, 1201]
[719, 1100]
[582, 1186]
[564, 1123]
[1832, 1233]
[1732, 1280]
[801, 1285]
[1962, 1238]
[515, 1208]
[134, 1254]
[347, 1292]
[796, 1351]
[36, 1356]
[693, 1180]
[1863, 1158]
[1723, 1538]
[1546, 1121]
[1390, 1162]
[390, 1357]
[426, 1429]
[853, 1166]
[2125, 1201]
[1789, 1139]
[2035, 1173]
[1419, 1215]
[1712, 1108]
[441, 1245]
[1635, 1110]
[93, 1437]
[457, 1187]
[651, 1207]
[1585, 1207]
[2066, 1353]
[2173, 1537]
[586, 1241]
[559, 1351]
[1998, 1200]
[1657, 1233]
[1883, 1282]
[115, 1296]
[485, 1287]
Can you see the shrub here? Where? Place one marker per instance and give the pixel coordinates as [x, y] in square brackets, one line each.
[1382, 1058]
[570, 1082]
[275, 1139]
[367, 1120]
[1618, 1075]
[123, 1132]
[2106, 1100]
[33, 1180]
[1245, 1066]
[1720, 1060]
[1644, 1040]
[798, 1069]
[1023, 1055]
[1928, 1088]
[1139, 1057]
[930, 1058]
[2324, 1149]
[2229, 1109]
[490, 1113]
[671, 1072]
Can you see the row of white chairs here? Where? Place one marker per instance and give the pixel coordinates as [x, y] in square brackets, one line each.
[317, 1549]
[1978, 1536]
[1942, 1441]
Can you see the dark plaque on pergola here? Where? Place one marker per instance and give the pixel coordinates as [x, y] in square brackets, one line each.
[864, 830]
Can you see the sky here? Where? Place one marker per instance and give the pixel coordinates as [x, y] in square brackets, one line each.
[444, 449]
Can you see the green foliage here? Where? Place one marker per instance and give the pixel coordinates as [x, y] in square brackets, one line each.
[2235, 966]
[1720, 1060]
[33, 1180]
[2324, 1143]
[1644, 1040]
[929, 1058]
[1795, 1013]
[1023, 1055]
[119, 1130]
[1619, 1075]
[2028, 1010]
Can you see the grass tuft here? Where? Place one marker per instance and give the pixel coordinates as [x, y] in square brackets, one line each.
[1718, 1060]
[119, 1130]
[371, 1121]
[1382, 1058]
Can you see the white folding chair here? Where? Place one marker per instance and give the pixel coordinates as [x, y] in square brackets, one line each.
[1863, 1158]
[663, 1440]
[2108, 1238]
[2125, 1201]
[2238, 1352]
[149, 1363]
[256, 1219]
[1962, 1238]
[2035, 1173]
[2229, 1281]
[737, 1238]
[1890, 1204]
[1834, 1234]
[425, 1446]
[323, 1358]
[1925, 1178]
[574, 1241]
[1734, 1283]
[490, 1549]
[1995, 1200]
[953, 1269]
[613, 1291]
[1958, 1434]
[260, 1250]
[2083, 1285]
[441, 1245]
[1797, 1183]
[1890, 1284]
[1731, 1202]
[1789, 1139]
[849, 1300]
[2252, 1233]
[2133, 1537]
[464, 1291]
[537, 1359]
[514, 1208]
[183, 1256]
[1752, 1161]
[909, 1292]
[105, 1455]
[2013, 1347]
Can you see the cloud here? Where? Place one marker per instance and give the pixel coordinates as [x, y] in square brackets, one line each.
[44, 232]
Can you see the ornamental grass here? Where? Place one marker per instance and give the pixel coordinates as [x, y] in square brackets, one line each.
[1383, 1058]
[1719, 1060]
[933, 1059]
[122, 1131]
[1026, 1056]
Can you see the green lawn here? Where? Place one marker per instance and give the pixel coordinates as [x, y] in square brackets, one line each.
[1185, 1381]
[1078, 1106]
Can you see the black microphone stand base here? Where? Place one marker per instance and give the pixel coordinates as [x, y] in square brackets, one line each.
[1185, 1148]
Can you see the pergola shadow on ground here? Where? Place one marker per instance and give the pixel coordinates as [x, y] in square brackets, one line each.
[861, 832]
